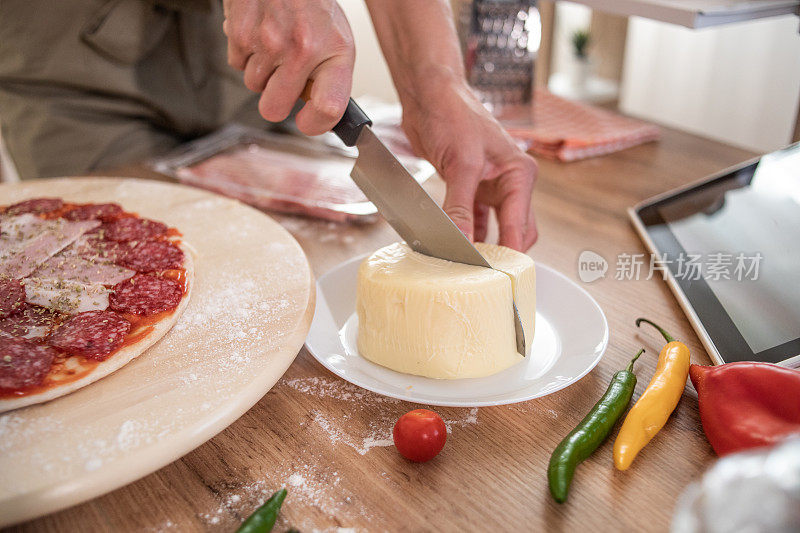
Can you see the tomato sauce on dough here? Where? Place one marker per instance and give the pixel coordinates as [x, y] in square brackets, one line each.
[68, 368]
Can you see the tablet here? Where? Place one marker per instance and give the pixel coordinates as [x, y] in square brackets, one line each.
[729, 247]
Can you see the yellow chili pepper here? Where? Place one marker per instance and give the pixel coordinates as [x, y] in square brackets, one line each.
[651, 411]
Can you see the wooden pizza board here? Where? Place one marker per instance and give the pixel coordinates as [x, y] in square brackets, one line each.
[249, 313]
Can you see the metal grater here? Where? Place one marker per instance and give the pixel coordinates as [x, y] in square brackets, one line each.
[500, 40]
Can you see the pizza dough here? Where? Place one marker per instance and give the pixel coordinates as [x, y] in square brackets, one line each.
[82, 293]
[435, 318]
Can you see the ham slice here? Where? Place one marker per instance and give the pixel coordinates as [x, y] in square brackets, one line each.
[15, 229]
[76, 268]
[67, 296]
[27, 243]
[90, 247]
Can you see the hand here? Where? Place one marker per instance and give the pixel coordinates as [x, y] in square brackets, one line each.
[478, 160]
[280, 45]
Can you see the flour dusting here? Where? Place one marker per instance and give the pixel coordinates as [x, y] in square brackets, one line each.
[18, 431]
[93, 464]
[469, 419]
[322, 387]
[378, 437]
[129, 434]
[307, 487]
[359, 434]
[296, 480]
[314, 487]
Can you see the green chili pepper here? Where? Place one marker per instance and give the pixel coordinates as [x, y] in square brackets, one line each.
[591, 432]
[262, 520]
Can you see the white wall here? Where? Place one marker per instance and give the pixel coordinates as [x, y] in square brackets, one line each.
[570, 17]
[371, 75]
[739, 83]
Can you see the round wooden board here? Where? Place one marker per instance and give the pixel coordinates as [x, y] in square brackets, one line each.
[250, 311]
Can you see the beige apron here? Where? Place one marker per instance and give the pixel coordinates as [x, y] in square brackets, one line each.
[88, 84]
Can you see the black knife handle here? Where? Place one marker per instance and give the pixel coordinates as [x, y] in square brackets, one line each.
[352, 122]
[354, 119]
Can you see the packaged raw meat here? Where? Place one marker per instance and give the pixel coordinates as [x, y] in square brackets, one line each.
[279, 172]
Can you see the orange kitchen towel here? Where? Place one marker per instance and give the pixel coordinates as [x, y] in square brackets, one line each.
[566, 130]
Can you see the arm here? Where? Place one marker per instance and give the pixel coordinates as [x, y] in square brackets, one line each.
[447, 125]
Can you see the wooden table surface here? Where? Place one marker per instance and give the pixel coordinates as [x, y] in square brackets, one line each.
[325, 439]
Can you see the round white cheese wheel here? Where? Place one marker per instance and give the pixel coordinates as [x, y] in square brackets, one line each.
[430, 317]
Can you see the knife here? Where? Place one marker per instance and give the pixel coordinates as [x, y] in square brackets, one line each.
[402, 201]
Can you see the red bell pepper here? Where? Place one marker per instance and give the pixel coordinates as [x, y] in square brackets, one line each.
[747, 405]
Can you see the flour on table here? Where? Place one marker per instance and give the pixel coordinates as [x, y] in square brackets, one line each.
[378, 436]
[469, 419]
[168, 525]
[313, 488]
[306, 487]
[296, 480]
[323, 387]
[529, 407]
[377, 432]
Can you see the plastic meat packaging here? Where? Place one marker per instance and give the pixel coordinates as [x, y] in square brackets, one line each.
[278, 172]
[756, 490]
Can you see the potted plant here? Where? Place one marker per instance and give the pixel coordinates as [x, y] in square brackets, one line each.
[582, 67]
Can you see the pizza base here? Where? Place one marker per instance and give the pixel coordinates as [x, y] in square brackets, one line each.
[119, 358]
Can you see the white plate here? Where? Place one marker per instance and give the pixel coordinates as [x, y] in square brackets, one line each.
[571, 336]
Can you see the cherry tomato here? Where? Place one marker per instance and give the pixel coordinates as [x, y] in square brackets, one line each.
[419, 435]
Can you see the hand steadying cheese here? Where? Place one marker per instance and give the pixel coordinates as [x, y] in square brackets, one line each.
[435, 318]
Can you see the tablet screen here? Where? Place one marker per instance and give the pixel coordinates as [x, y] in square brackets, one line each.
[733, 245]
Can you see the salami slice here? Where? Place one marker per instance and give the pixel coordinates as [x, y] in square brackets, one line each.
[132, 229]
[104, 212]
[150, 256]
[23, 363]
[12, 296]
[32, 322]
[60, 265]
[93, 334]
[146, 294]
[36, 206]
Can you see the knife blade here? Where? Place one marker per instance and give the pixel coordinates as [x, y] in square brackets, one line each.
[405, 205]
